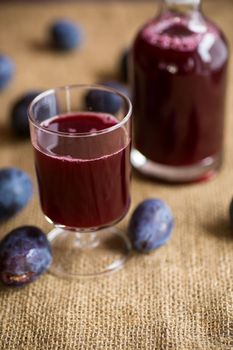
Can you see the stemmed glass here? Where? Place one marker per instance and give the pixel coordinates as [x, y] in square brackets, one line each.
[82, 162]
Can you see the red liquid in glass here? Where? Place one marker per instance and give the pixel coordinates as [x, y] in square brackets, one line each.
[179, 80]
[79, 189]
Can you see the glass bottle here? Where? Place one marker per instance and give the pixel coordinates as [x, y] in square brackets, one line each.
[178, 76]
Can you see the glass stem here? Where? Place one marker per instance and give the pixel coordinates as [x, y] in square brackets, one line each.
[86, 240]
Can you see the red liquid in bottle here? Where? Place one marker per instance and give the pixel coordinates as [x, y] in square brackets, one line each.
[179, 80]
[78, 188]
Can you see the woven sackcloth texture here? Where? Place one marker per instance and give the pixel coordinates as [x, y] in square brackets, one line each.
[180, 296]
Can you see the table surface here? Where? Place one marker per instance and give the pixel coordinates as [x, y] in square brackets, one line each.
[178, 297]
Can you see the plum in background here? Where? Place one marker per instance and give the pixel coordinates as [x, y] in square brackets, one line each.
[16, 190]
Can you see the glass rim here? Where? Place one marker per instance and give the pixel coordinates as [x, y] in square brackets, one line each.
[80, 86]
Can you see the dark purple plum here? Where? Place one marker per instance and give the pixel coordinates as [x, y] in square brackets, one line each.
[124, 65]
[117, 86]
[151, 225]
[7, 69]
[65, 35]
[18, 115]
[231, 212]
[106, 101]
[25, 253]
[16, 190]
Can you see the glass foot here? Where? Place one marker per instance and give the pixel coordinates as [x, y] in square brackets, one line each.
[205, 170]
[88, 254]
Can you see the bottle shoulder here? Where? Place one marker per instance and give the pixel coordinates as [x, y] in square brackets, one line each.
[219, 33]
[176, 39]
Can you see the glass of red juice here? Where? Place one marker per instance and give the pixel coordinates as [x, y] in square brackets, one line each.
[82, 161]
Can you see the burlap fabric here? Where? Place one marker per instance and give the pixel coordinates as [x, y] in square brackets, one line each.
[180, 296]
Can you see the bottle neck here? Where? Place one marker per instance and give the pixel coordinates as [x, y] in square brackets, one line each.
[181, 6]
[190, 9]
